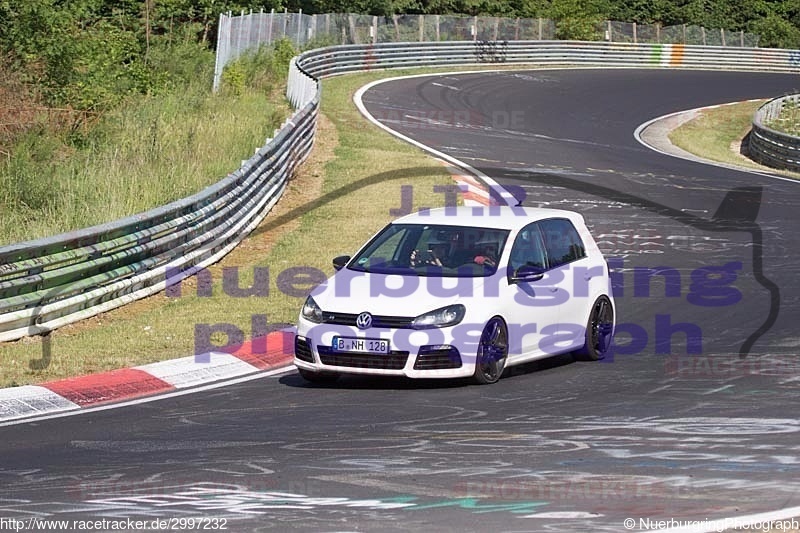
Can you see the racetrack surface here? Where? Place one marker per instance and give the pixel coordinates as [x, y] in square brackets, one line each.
[657, 431]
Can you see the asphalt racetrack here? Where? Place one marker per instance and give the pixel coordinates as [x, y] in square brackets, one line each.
[694, 417]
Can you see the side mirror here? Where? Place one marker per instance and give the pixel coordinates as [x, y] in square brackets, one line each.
[527, 274]
[340, 262]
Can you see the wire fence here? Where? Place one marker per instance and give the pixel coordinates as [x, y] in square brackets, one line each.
[347, 28]
[238, 34]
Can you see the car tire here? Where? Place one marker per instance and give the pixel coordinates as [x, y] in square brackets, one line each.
[599, 331]
[320, 378]
[492, 354]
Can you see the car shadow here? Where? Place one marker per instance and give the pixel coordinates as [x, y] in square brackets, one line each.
[364, 382]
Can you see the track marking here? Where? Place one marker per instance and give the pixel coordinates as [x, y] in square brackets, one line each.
[211, 386]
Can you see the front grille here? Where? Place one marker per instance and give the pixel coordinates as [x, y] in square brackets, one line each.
[378, 321]
[394, 360]
[302, 350]
[437, 358]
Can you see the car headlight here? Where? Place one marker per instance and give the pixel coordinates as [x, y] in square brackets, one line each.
[311, 311]
[440, 318]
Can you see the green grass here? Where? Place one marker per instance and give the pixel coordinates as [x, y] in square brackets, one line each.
[717, 134]
[149, 152]
[789, 119]
[341, 197]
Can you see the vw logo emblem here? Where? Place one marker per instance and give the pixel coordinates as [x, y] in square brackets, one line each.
[364, 321]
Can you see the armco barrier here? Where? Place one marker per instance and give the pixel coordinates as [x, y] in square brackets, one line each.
[769, 146]
[50, 282]
[47, 283]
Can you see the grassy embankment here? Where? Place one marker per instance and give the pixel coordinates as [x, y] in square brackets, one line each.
[717, 135]
[340, 197]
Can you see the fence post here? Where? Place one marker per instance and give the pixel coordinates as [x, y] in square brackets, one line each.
[271, 20]
[353, 33]
[421, 28]
[238, 38]
[722, 34]
[703, 33]
[312, 28]
[658, 32]
[285, 21]
[609, 34]
[223, 48]
[741, 38]
[299, 22]
[634, 33]
[249, 40]
[541, 22]
[396, 29]
[436, 20]
[496, 28]
[327, 24]
[475, 25]
[259, 38]
[684, 34]
[516, 30]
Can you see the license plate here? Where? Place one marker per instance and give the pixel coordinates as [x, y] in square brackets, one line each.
[357, 344]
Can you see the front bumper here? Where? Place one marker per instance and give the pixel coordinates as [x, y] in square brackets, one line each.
[433, 353]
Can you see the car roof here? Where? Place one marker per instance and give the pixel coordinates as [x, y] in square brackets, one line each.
[500, 217]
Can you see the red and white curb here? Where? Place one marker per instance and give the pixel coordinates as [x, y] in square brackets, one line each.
[258, 355]
[473, 191]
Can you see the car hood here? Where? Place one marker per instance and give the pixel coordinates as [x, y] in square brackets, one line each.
[351, 291]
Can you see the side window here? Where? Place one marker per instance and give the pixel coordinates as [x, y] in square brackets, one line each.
[562, 242]
[528, 249]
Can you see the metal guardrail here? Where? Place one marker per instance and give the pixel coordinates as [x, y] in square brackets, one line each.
[348, 58]
[769, 146]
[239, 33]
[47, 283]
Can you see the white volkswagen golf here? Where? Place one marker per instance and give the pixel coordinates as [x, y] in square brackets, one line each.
[460, 291]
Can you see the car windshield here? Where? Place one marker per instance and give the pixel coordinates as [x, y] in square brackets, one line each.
[432, 250]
